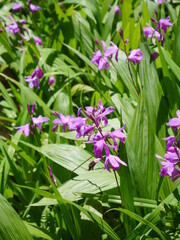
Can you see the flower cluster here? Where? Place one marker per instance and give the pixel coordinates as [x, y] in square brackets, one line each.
[162, 25]
[19, 6]
[100, 58]
[34, 122]
[100, 140]
[34, 78]
[171, 159]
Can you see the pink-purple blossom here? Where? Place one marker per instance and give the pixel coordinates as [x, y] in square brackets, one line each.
[34, 78]
[164, 23]
[37, 121]
[38, 40]
[25, 129]
[114, 162]
[12, 27]
[51, 80]
[34, 7]
[135, 56]
[117, 10]
[17, 6]
[175, 122]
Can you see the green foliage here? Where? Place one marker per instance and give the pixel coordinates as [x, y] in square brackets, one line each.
[87, 204]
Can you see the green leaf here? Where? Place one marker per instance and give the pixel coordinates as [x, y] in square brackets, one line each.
[141, 220]
[11, 226]
[68, 156]
[36, 232]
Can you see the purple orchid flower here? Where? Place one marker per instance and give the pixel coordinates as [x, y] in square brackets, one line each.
[37, 121]
[117, 9]
[135, 56]
[51, 80]
[34, 8]
[118, 134]
[31, 111]
[38, 40]
[33, 81]
[25, 129]
[51, 175]
[111, 50]
[17, 6]
[175, 122]
[22, 21]
[151, 32]
[12, 27]
[164, 23]
[114, 161]
[101, 62]
[61, 120]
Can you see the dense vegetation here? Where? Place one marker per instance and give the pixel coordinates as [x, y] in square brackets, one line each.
[89, 121]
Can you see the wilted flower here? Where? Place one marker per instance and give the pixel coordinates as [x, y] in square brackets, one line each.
[135, 56]
[25, 129]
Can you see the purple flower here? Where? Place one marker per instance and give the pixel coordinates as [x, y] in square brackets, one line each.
[22, 21]
[154, 55]
[135, 56]
[99, 144]
[119, 135]
[117, 10]
[61, 120]
[12, 27]
[17, 6]
[51, 175]
[51, 80]
[111, 50]
[101, 62]
[84, 130]
[33, 81]
[99, 113]
[34, 8]
[175, 122]
[170, 140]
[151, 32]
[31, 111]
[38, 40]
[39, 72]
[114, 161]
[161, 1]
[25, 129]
[37, 121]
[76, 123]
[164, 23]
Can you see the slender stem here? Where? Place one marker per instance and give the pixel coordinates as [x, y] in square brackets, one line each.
[118, 186]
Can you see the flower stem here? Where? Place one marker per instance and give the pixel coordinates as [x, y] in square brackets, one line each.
[118, 186]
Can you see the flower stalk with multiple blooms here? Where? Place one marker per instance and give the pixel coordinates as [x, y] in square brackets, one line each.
[171, 160]
[109, 142]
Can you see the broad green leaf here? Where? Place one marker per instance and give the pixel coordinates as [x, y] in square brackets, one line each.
[36, 232]
[11, 226]
[154, 217]
[68, 156]
[141, 220]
